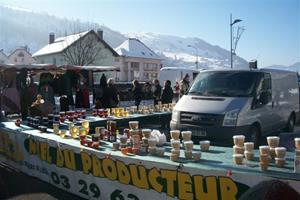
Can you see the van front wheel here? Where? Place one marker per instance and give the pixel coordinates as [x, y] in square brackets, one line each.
[254, 135]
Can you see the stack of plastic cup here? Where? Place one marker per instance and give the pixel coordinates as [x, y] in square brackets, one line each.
[188, 146]
[280, 156]
[273, 142]
[238, 149]
[264, 157]
[175, 152]
[249, 146]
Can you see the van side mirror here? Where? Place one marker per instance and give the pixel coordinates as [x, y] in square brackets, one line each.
[264, 97]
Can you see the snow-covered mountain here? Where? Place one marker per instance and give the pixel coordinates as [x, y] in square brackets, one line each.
[20, 27]
[180, 51]
[295, 67]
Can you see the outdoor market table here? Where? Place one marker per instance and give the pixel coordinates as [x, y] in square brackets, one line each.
[157, 118]
[107, 174]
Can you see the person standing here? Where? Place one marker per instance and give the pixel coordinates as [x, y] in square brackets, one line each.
[147, 90]
[156, 91]
[137, 93]
[78, 97]
[167, 93]
[184, 85]
[110, 98]
[85, 96]
[29, 94]
[47, 93]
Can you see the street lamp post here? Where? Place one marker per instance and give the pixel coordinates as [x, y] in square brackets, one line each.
[231, 36]
[196, 54]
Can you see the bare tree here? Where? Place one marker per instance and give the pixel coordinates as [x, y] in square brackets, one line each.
[84, 51]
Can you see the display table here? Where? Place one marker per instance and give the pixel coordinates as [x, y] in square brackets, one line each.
[108, 174]
[157, 118]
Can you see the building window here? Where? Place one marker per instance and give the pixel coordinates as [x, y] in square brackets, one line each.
[21, 54]
[16, 60]
[22, 60]
[42, 61]
[54, 61]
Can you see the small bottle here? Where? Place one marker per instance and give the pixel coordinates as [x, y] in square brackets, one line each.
[113, 137]
[297, 164]
[108, 136]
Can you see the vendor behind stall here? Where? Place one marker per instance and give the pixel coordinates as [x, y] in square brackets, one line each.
[110, 98]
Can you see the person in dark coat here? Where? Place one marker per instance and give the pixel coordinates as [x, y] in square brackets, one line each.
[47, 92]
[271, 190]
[167, 93]
[147, 92]
[28, 94]
[184, 85]
[156, 92]
[110, 98]
[102, 86]
[78, 97]
[86, 96]
[137, 92]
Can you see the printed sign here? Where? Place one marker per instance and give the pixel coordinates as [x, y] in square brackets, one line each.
[97, 175]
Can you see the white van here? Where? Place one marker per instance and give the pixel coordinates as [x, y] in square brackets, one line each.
[176, 74]
[223, 103]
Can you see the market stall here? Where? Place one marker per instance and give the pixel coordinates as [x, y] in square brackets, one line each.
[105, 172]
[155, 118]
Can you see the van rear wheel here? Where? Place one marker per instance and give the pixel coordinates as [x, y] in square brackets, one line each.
[290, 124]
[254, 135]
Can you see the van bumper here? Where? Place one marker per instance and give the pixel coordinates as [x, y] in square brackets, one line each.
[213, 133]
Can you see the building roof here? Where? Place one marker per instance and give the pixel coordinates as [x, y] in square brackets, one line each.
[20, 49]
[62, 43]
[133, 47]
[3, 54]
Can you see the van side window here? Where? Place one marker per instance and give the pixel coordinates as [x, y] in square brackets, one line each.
[267, 83]
[264, 91]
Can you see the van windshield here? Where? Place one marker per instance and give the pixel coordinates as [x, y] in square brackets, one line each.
[225, 83]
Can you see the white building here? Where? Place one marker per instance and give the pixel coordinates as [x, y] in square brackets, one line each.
[53, 53]
[3, 57]
[137, 61]
[60, 49]
[21, 56]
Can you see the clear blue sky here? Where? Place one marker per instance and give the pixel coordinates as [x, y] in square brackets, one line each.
[272, 26]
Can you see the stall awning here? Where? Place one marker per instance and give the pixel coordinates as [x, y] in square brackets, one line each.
[90, 68]
[50, 67]
[30, 67]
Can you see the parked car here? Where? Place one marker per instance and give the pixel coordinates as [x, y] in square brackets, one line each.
[176, 74]
[223, 103]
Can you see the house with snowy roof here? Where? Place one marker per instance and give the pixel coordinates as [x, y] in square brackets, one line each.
[83, 49]
[21, 56]
[3, 57]
[137, 61]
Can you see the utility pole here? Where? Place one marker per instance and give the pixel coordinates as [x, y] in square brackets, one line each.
[231, 38]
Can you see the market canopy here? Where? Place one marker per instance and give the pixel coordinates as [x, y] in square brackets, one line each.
[90, 68]
[30, 67]
[49, 67]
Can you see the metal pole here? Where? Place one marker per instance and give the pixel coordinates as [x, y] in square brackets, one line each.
[231, 40]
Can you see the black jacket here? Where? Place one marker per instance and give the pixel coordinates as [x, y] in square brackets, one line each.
[157, 92]
[167, 95]
[110, 97]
